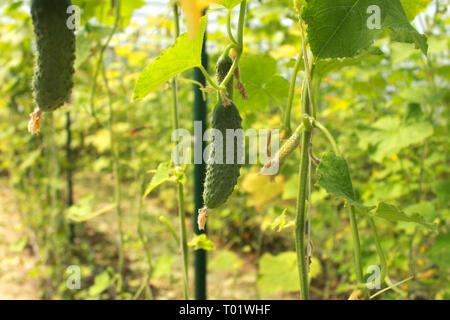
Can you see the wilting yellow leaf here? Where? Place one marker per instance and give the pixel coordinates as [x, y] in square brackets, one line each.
[426, 274]
[261, 188]
[193, 10]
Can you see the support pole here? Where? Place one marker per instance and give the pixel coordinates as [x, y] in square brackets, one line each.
[200, 112]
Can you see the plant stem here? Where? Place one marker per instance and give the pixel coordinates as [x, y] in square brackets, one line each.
[200, 114]
[100, 58]
[69, 174]
[230, 33]
[328, 135]
[241, 23]
[353, 223]
[171, 229]
[383, 264]
[140, 180]
[180, 192]
[392, 286]
[357, 251]
[116, 173]
[308, 73]
[239, 45]
[381, 256]
[287, 112]
[300, 210]
[210, 80]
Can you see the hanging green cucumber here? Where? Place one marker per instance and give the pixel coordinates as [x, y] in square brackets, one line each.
[221, 178]
[55, 42]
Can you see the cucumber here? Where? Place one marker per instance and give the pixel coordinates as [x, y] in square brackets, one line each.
[222, 178]
[286, 149]
[52, 82]
[222, 67]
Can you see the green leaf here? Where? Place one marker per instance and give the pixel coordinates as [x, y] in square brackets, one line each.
[82, 211]
[83, 47]
[18, 245]
[338, 28]
[162, 175]
[201, 242]
[401, 51]
[280, 222]
[163, 266]
[440, 249]
[334, 176]
[230, 4]
[402, 31]
[442, 190]
[390, 135]
[392, 213]
[279, 273]
[414, 7]
[324, 67]
[105, 13]
[102, 282]
[225, 260]
[184, 54]
[264, 87]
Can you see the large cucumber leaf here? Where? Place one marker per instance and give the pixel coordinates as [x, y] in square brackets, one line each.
[339, 28]
[184, 54]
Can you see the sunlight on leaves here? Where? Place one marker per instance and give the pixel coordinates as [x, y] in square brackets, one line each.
[225, 260]
[414, 7]
[163, 267]
[279, 273]
[184, 54]
[261, 189]
[162, 175]
[392, 213]
[280, 222]
[102, 282]
[339, 30]
[83, 211]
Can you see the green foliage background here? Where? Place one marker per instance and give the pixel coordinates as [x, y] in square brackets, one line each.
[388, 108]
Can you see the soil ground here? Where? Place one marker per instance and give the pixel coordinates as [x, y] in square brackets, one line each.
[16, 260]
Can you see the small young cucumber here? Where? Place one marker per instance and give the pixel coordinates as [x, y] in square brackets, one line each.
[55, 42]
[222, 67]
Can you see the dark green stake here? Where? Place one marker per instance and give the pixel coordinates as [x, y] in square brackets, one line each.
[69, 174]
[199, 177]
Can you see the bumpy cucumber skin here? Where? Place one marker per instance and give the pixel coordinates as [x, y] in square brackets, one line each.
[222, 178]
[52, 82]
[222, 67]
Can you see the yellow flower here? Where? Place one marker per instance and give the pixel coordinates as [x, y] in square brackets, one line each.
[193, 10]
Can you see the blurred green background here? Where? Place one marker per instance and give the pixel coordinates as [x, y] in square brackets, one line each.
[389, 112]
